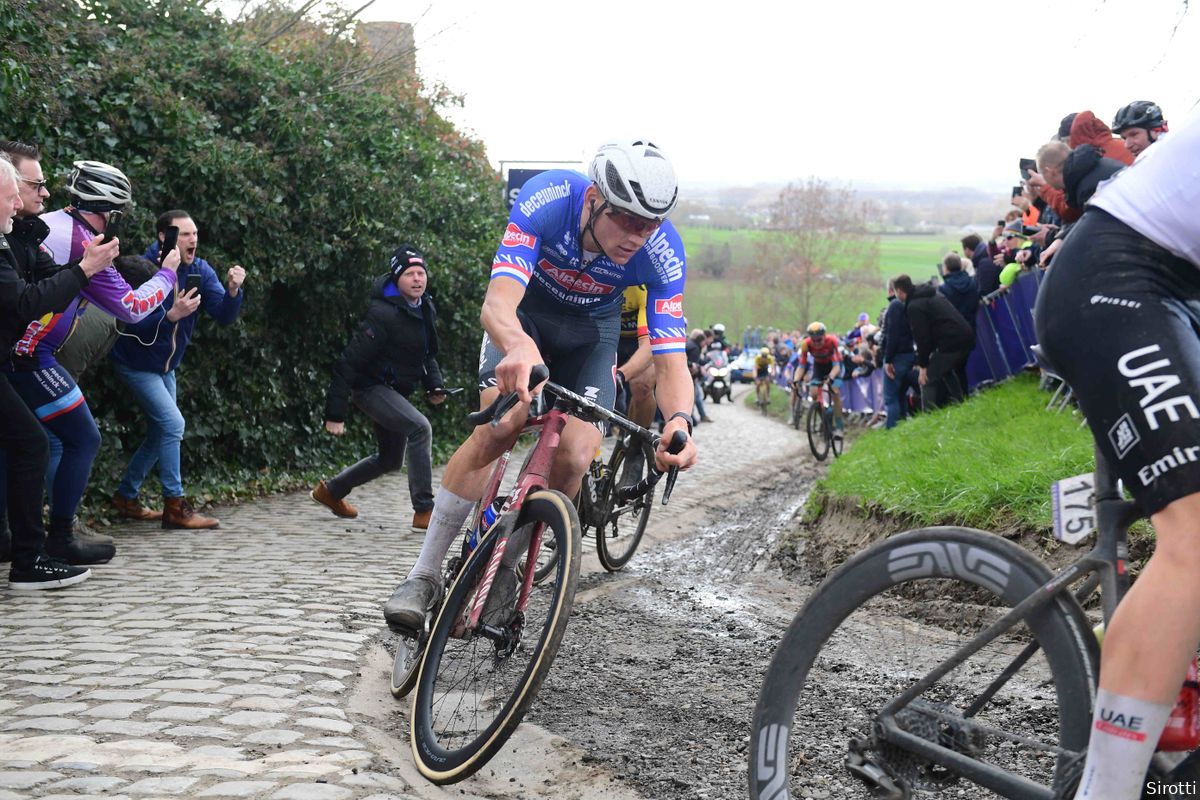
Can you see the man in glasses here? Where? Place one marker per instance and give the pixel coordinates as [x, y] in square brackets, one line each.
[573, 243]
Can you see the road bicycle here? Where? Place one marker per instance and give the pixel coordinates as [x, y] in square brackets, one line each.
[477, 667]
[823, 436]
[945, 656]
[618, 524]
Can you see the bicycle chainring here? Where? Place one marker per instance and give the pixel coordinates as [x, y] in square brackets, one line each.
[933, 722]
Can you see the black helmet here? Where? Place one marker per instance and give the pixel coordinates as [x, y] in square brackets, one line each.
[1138, 114]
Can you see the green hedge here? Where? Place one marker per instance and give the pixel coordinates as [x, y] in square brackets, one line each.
[305, 181]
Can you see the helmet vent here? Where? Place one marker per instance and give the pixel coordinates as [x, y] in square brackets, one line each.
[612, 177]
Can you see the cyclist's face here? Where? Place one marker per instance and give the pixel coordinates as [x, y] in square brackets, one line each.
[620, 233]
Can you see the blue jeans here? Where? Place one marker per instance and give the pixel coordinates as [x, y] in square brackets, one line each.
[155, 393]
[895, 390]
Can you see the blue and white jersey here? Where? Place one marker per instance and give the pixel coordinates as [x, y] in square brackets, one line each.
[541, 251]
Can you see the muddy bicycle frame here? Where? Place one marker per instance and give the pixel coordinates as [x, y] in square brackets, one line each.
[535, 477]
[1104, 568]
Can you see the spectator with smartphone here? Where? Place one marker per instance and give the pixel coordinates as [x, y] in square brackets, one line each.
[393, 351]
[23, 441]
[146, 359]
[99, 194]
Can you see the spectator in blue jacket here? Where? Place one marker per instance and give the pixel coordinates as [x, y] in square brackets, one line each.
[146, 359]
[898, 359]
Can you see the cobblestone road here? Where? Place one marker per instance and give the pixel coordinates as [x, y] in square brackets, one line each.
[223, 663]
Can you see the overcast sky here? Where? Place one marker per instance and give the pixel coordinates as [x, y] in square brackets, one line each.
[905, 94]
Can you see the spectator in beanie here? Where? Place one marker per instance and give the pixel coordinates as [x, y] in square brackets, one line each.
[394, 350]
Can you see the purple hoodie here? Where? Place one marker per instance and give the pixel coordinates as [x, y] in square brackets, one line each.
[107, 290]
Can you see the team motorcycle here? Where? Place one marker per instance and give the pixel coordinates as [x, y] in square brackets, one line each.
[716, 382]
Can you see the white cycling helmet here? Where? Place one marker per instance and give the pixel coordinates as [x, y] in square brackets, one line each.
[636, 177]
[98, 187]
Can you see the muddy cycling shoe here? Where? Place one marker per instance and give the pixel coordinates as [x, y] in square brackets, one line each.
[408, 606]
[502, 598]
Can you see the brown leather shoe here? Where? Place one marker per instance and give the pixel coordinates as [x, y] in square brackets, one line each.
[421, 520]
[338, 506]
[132, 509]
[180, 514]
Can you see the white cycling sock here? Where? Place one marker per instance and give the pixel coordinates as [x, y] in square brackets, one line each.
[1125, 733]
[449, 513]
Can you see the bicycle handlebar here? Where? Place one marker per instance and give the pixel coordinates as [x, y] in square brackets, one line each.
[678, 442]
[587, 410]
[505, 402]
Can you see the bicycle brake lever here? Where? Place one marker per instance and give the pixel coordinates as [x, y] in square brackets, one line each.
[678, 441]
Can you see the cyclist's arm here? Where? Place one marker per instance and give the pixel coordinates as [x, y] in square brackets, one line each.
[674, 392]
[637, 362]
[499, 318]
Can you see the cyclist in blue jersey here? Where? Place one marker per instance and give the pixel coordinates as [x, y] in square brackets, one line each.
[572, 245]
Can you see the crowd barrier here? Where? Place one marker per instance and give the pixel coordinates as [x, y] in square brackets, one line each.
[1004, 343]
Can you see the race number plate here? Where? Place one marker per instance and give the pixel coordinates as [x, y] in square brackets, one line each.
[1074, 508]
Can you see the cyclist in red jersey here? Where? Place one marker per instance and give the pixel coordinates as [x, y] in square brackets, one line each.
[825, 352]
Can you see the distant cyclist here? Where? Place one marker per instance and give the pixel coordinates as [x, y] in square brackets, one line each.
[1118, 315]
[764, 370]
[824, 351]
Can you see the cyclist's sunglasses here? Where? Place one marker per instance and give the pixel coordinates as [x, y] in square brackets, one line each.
[633, 224]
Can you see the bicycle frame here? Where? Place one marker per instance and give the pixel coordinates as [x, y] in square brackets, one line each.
[1103, 566]
[534, 477]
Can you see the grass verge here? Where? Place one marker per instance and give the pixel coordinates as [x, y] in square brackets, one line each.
[987, 463]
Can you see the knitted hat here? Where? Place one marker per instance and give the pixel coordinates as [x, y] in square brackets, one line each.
[406, 256]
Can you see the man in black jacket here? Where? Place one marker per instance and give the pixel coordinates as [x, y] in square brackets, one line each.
[943, 338]
[898, 358]
[394, 350]
[963, 293]
[22, 438]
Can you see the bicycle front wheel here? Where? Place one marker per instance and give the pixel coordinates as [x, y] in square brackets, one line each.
[885, 620]
[816, 432]
[474, 689]
[620, 531]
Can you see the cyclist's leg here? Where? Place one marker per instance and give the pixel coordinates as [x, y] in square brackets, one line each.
[1138, 396]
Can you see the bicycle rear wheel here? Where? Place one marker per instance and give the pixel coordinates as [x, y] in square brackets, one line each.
[616, 542]
[816, 431]
[835, 442]
[883, 621]
[474, 689]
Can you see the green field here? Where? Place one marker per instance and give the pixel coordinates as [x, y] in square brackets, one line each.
[739, 303]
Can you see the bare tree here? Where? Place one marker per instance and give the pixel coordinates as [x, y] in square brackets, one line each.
[818, 246]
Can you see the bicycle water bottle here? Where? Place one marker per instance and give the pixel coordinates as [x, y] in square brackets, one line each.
[1183, 726]
[486, 520]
